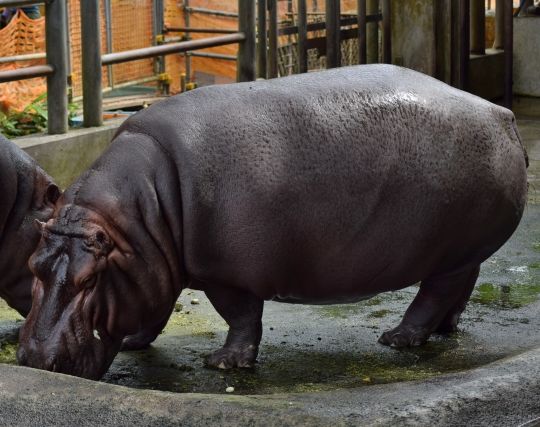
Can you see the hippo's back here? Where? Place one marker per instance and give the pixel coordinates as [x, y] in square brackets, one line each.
[359, 176]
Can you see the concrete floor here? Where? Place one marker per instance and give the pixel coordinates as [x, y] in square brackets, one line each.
[322, 364]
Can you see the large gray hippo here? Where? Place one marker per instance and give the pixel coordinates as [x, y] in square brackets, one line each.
[27, 193]
[319, 188]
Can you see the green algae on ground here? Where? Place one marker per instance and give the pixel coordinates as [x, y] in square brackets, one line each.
[8, 353]
[379, 313]
[505, 296]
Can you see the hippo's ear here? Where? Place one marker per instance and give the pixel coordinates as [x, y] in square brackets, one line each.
[52, 194]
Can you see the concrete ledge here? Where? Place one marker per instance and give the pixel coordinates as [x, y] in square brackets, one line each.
[66, 156]
[504, 393]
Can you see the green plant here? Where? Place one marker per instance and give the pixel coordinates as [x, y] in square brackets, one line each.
[30, 120]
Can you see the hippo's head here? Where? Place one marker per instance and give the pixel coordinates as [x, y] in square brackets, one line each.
[27, 194]
[86, 295]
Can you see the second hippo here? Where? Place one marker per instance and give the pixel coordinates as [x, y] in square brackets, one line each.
[27, 193]
[319, 188]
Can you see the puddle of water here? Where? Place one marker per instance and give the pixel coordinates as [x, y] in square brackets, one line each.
[505, 296]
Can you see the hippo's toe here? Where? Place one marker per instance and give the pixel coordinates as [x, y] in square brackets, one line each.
[404, 336]
[233, 357]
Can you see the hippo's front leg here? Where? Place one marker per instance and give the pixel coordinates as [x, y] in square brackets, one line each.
[242, 311]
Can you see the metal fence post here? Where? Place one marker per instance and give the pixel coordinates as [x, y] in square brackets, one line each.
[261, 39]
[56, 46]
[478, 27]
[508, 53]
[273, 40]
[372, 33]
[247, 50]
[333, 34]
[302, 37]
[362, 42]
[91, 63]
[387, 32]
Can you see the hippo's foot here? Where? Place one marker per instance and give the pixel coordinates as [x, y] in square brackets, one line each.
[233, 357]
[144, 338]
[405, 336]
[136, 342]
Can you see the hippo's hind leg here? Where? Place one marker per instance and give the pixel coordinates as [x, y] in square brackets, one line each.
[243, 313]
[436, 308]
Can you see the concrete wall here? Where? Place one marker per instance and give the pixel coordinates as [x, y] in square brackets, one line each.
[413, 34]
[527, 56]
[65, 157]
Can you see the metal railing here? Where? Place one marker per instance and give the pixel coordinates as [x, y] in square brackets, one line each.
[92, 60]
[469, 38]
[267, 63]
[56, 57]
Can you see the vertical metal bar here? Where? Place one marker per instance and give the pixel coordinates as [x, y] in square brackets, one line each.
[362, 29]
[499, 25]
[302, 37]
[261, 39]
[247, 50]
[56, 45]
[372, 33]
[464, 45]
[387, 32]
[91, 63]
[273, 39]
[508, 53]
[187, 57]
[108, 33]
[333, 36]
[478, 27]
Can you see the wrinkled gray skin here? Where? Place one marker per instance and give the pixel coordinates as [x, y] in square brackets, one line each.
[27, 193]
[320, 188]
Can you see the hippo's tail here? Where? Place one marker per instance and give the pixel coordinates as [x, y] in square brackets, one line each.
[509, 125]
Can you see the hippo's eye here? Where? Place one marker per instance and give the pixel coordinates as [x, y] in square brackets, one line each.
[89, 281]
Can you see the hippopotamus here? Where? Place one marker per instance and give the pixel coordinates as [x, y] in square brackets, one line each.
[28, 194]
[320, 188]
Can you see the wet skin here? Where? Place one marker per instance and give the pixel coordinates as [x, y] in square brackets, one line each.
[27, 194]
[322, 188]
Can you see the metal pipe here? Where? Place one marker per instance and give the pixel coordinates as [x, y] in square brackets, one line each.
[91, 63]
[108, 32]
[247, 58]
[372, 32]
[362, 24]
[15, 3]
[199, 30]
[150, 52]
[187, 22]
[27, 57]
[508, 53]
[213, 55]
[333, 29]
[317, 26]
[464, 45]
[261, 39]
[211, 12]
[302, 37]
[273, 39]
[499, 24]
[387, 32]
[26, 73]
[478, 27]
[56, 49]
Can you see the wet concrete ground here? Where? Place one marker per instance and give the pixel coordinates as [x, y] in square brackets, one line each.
[325, 348]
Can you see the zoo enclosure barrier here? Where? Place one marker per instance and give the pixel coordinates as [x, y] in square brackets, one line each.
[55, 69]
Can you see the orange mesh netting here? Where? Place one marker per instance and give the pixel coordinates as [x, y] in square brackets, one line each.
[21, 36]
